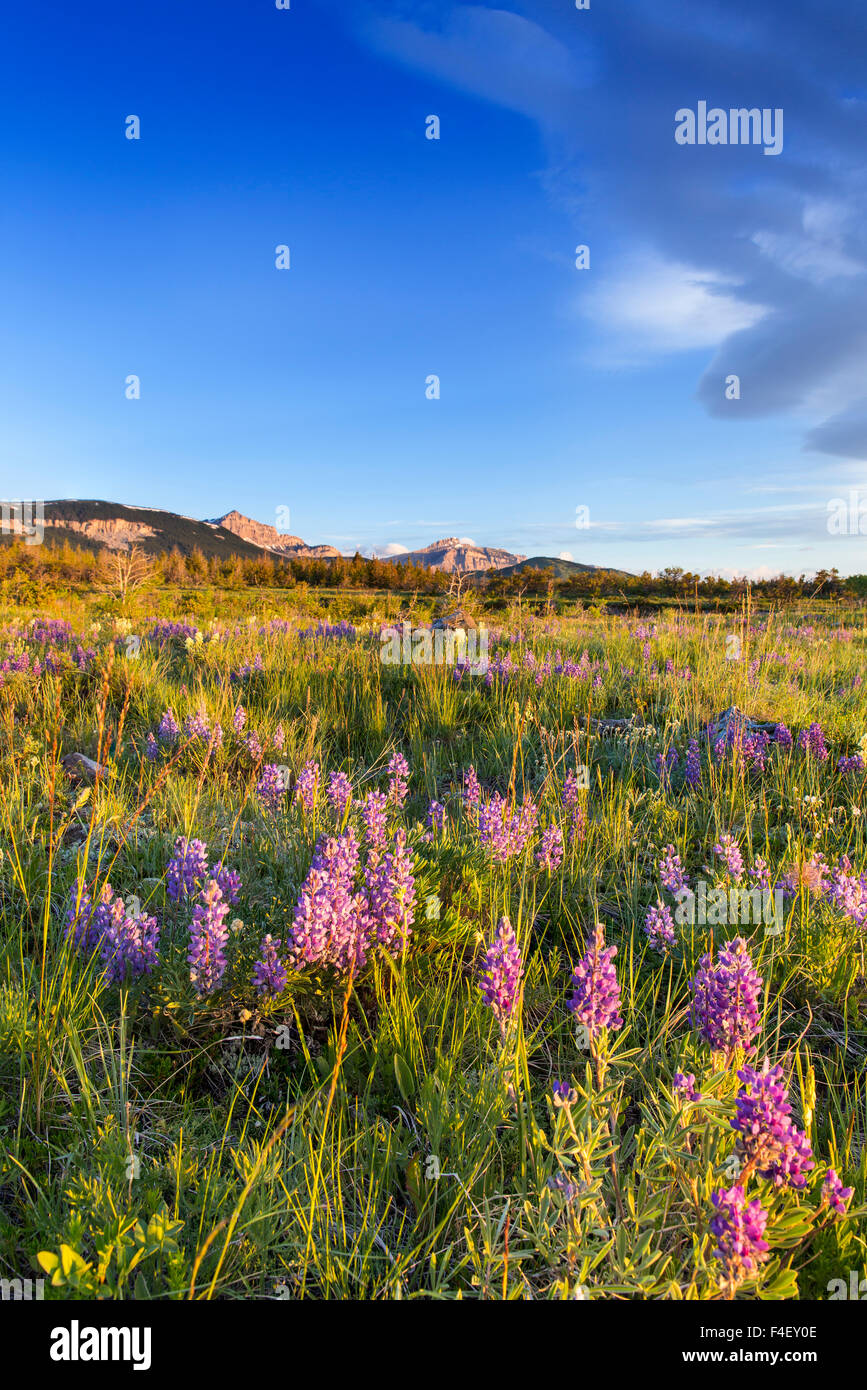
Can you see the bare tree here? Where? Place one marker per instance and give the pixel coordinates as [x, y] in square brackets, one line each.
[456, 586]
[127, 571]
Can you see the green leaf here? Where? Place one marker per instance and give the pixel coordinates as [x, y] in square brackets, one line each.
[404, 1077]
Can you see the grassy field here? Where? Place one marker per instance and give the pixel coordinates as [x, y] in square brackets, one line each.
[376, 1124]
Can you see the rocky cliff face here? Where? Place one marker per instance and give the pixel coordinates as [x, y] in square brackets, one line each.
[269, 538]
[454, 556]
[113, 534]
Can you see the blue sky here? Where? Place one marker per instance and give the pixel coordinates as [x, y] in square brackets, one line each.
[560, 388]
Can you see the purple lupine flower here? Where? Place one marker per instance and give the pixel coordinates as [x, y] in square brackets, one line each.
[782, 737]
[168, 730]
[659, 926]
[307, 785]
[595, 1000]
[269, 972]
[739, 1228]
[436, 820]
[391, 896]
[812, 742]
[208, 936]
[767, 1138]
[693, 764]
[472, 792]
[271, 786]
[228, 881]
[501, 973]
[86, 922]
[398, 771]
[127, 943]
[253, 746]
[725, 998]
[504, 832]
[760, 874]
[130, 943]
[671, 873]
[187, 869]
[685, 1084]
[549, 855]
[834, 1194]
[730, 850]
[152, 750]
[197, 726]
[563, 1093]
[339, 793]
[239, 719]
[848, 893]
[374, 816]
[846, 766]
[331, 926]
[279, 739]
[574, 806]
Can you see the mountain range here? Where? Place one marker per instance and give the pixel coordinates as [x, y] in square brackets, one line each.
[97, 525]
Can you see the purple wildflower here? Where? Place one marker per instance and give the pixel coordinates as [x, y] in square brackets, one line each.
[391, 896]
[739, 1228]
[228, 880]
[271, 786]
[269, 972]
[504, 832]
[307, 785]
[725, 998]
[374, 814]
[208, 937]
[130, 943]
[595, 1000]
[812, 742]
[768, 1139]
[730, 850]
[398, 770]
[472, 792]
[501, 973]
[549, 855]
[339, 793]
[693, 764]
[239, 719]
[659, 926]
[783, 737]
[834, 1194]
[187, 869]
[685, 1084]
[330, 926]
[168, 730]
[671, 872]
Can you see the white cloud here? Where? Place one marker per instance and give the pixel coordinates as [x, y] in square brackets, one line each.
[566, 555]
[665, 306]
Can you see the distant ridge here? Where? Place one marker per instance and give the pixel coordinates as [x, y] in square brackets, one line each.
[96, 525]
[563, 569]
[456, 556]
